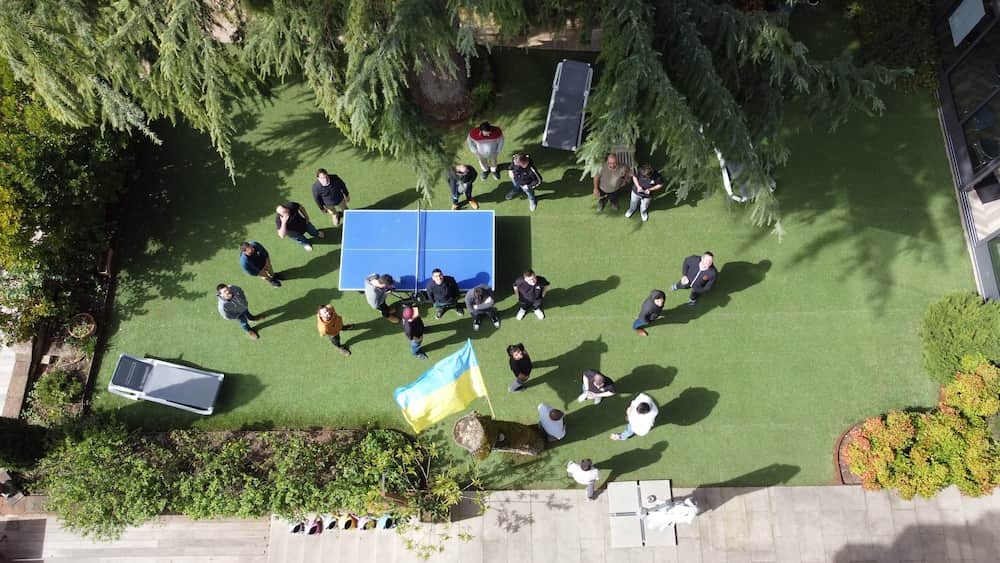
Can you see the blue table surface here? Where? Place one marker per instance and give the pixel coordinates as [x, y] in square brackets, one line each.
[460, 243]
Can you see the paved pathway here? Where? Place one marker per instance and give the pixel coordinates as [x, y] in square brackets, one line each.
[777, 524]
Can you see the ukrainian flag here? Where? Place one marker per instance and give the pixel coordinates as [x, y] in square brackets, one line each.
[446, 388]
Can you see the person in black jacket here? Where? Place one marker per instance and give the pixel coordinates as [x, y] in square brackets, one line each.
[697, 273]
[530, 289]
[444, 293]
[460, 180]
[413, 328]
[292, 221]
[650, 311]
[331, 195]
[525, 177]
[520, 366]
[645, 181]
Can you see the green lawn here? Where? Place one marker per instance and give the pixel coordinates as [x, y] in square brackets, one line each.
[800, 338]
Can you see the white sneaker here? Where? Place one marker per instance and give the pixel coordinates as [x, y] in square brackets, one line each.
[496, 324]
[597, 401]
[582, 397]
[308, 247]
[645, 217]
[539, 314]
[532, 206]
[628, 214]
[521, 313]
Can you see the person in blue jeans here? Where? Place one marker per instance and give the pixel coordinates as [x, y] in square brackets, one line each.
[525, 178]
[651, 309]
[640, 416]
[233, 306]
[413, 328]
[292, 222]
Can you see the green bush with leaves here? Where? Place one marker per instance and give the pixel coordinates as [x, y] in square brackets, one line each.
[51, 396]
[223, 480]
[21, 444]
[922, 453]
[103, 478]
[897, 34]
[959, 325]
[300, 476]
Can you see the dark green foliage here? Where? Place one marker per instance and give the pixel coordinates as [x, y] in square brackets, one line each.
[103, 478]
[898, 34]
[219, 480]
[58, 387]
[959, 325]
[21, 444]
[300, 476]
[55, 184]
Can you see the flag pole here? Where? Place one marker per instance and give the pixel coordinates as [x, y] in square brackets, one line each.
[489, 402]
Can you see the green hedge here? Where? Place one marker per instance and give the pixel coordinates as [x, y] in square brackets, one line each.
[957, 326]
[897, 34]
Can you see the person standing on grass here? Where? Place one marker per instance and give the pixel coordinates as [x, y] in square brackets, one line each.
[479, 302]
[413, 328]
[697, 273]
[377, 287]
[608, 182]
[255, 261]
[525, 178]
[586, 474]
[651, 309]
[520, 366]
[530, 289]
[552, 422]
[486, 143]
[444, 293]
[292, 222]
[460, 180]
[329, 324]
[596, 386]
[639, 417]
[233, 306]
[644, 183]
[331, 195]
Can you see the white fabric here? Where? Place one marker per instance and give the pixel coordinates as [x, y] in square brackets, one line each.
[554, 428]
[660, 517]
[581, 476]
[642, 423]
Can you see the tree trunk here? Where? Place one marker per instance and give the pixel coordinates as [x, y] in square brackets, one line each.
[442, 97]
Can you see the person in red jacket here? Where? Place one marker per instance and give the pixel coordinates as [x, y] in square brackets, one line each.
[486, 142]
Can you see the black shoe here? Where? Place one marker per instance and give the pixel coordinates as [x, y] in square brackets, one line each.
[486, 174]
[439, 314]
[274, 282]
[614, 205]
[601, 204]
[691, 302]
[496, 174]
[421, 356]
[277, 276]
[347, 327]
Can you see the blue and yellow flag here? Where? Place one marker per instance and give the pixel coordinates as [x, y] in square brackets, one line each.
[446, 388]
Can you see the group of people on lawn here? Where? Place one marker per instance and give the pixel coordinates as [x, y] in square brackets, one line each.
[331, 195]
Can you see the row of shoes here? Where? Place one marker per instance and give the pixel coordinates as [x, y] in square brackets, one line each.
[318, 524]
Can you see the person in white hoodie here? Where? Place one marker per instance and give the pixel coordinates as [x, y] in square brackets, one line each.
[640, 414]
[584, 473]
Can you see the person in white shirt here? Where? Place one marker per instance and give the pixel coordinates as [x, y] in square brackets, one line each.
[584, 473]
[551, 421]
[640, 414]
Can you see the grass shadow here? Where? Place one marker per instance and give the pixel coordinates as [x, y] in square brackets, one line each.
[692, 405]
[633, 460]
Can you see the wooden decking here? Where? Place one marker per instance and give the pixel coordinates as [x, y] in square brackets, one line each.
[172, 538]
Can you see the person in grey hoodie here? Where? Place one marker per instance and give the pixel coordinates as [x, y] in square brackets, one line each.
[377, 287]
[233, 306]
[651, 309]
[479, 302]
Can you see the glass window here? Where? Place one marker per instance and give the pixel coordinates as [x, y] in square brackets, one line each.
[951, 52]
[982, 134]
[977, 77]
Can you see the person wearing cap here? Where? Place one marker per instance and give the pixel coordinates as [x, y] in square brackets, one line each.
[697, 274]
[331, 195]
[329, 324]
[486, 142]
[413, 328]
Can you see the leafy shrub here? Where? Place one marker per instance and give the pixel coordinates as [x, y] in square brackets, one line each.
[922, 453]
[300, 476]
[21, 444]
[48, 400]
[959, 325]
[104, 478]
[221, 480]
[897, 34]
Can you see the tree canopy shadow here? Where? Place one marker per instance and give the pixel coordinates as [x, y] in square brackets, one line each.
[929, 542]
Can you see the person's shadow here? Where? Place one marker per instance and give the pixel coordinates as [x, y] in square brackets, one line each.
[691, 406]
[733, 278]
[577, 294]
[631, 461]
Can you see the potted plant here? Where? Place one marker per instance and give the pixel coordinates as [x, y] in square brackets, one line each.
[81, 326]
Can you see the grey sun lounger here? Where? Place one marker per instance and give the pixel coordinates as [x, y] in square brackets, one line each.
[570, 89]
[181, 387]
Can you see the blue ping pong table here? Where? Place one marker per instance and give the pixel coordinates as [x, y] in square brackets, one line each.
[408, 245]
